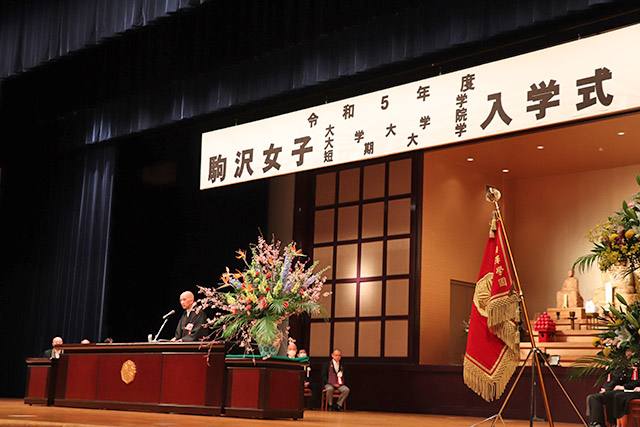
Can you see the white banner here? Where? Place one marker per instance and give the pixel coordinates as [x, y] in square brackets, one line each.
[585, 78]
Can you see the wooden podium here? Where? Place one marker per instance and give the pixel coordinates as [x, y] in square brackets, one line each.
[264, 388]
[41, 381]
[159, 377]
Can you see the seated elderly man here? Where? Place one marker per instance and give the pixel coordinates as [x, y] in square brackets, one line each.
[333, 377]
[54, 353]
[292, 350]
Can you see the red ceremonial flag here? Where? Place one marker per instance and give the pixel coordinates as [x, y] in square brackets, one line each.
[494, 340]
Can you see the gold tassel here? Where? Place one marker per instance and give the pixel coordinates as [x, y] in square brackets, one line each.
[502, 310]
[490, 387]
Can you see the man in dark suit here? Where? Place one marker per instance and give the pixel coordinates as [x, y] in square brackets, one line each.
[190, 326]
[308, 383]
[600, 406]
[54, 353]
[333, 377]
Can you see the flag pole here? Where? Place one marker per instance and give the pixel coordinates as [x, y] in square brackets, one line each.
[493, 195]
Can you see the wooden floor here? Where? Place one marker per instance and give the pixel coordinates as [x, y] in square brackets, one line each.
[13, 412]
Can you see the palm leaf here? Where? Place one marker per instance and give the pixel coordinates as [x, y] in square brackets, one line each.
[267, 329]
[585, 262]
[589, 365]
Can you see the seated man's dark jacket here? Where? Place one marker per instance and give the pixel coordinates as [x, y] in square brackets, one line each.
[620, 377]
[325, 372]
[198, 331]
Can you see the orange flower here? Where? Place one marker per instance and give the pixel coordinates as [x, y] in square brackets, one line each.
[241, 254]
[293, 249]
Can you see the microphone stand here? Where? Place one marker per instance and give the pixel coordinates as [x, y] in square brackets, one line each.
[155, 339]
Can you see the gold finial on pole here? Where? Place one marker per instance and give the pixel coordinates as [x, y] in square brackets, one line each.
[493, 194]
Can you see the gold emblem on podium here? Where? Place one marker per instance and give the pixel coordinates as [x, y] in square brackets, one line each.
[128, 371]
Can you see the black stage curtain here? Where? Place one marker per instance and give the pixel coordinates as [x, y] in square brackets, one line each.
[223, 55]
[73, 278]
[36, 31]
[228, 54]
[56, 217]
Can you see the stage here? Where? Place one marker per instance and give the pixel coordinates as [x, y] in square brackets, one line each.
[13, 412]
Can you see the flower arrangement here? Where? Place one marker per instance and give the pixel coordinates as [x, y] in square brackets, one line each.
[274, 285]
[619, 343]
[616, 241]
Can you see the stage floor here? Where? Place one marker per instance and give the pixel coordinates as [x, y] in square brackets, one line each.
[13, 412]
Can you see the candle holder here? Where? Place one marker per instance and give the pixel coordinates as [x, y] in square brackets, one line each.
[572, 317]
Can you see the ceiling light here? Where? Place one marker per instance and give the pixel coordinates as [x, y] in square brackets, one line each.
[469, 159]
[620, 133]
[540, 147]
[505, 170]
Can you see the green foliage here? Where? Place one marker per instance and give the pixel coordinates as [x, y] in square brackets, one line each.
[618, 342]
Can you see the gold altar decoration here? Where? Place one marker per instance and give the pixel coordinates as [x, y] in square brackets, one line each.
[128, 371]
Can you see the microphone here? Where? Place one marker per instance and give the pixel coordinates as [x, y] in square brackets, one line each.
[168, 314]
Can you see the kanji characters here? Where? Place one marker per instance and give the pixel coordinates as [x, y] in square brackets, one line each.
[542, 94]
[412, 139]
[466, 84]
[300, 152]
[390, 129]
[348, 111]
[496, 107]
[368, 147]
[271, 158]
[588, 85]
[243, 160]
[217, 168]
[313, 120]
[425, 121]
[423, 93]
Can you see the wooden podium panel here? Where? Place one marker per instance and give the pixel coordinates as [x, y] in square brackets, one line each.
[159, 377]
[145, 386]
[41, 377]
[271, 388]
[82, 376]
[182, 379]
